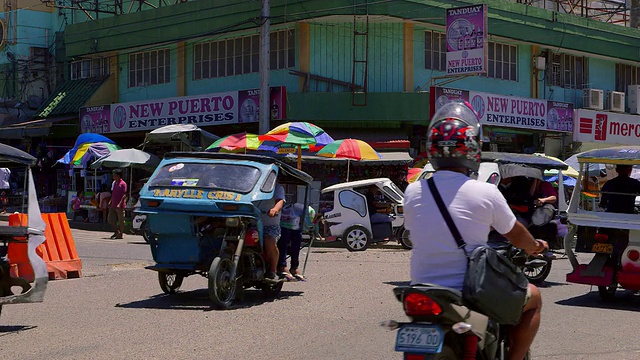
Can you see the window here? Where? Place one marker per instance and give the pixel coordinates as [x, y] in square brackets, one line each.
[84, 69]
[150, 68]
[503, 61]
[567, 71]
[352, 200]
[241, 55]
[435, 51]
[626, 75]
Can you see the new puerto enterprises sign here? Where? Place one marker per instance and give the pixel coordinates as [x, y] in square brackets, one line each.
[202, 110]
[509, 111]
[466, 35]
[607, 127]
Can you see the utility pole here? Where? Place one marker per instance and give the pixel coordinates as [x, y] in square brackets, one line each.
[265, 67]
[635, 13]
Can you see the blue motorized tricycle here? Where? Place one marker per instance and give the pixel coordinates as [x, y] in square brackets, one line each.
[204, 217]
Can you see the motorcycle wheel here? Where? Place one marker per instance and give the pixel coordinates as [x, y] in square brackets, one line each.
[538, 275]
[608, 293]
[170, 282]
[272, 291]
[403, 238]
[144, 229]
[222, 287]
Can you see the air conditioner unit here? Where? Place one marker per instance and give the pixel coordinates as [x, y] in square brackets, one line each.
[593, 99]
[634, 99]
[615, 101]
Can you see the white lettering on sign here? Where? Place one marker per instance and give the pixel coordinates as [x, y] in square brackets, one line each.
[465, 10]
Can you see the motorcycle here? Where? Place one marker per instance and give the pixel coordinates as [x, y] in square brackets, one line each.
[442, 327]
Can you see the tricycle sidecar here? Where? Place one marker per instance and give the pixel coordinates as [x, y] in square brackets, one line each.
[346, 213]
[25, 238]
[613, 237]
[204, 218]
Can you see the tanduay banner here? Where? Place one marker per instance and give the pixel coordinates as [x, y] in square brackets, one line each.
[607, 128]
[466, 38]
[509, 111]
[202, 110]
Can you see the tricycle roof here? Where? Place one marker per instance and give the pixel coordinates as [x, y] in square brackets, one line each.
[539, 161]
[619, 155]
[11, 156]
[355, 184]
[286, 171]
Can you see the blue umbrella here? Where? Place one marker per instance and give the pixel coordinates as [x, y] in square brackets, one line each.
[566, 180]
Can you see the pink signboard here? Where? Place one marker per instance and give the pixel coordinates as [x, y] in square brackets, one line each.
[202, 110]
[510, 111]
[95, 119]
[466, 35]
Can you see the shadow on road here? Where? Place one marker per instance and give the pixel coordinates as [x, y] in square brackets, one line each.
[547, 284]
[625, 300]
[398, 283]
[199, 300]
[12, 329]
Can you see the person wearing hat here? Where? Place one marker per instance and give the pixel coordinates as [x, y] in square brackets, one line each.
[117, 204]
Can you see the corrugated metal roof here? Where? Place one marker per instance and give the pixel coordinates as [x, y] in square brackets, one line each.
[70, 96]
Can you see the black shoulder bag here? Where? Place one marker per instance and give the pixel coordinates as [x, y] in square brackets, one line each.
[493, 285]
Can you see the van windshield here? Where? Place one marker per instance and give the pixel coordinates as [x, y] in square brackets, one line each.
[236, 178]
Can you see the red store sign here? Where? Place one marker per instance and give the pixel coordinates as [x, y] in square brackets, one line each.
[607, 127]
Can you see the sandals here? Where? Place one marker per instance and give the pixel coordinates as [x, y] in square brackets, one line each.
[298, 277]
[286, 276]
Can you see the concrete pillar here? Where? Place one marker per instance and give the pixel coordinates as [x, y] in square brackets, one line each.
[304, 50]
[181, 80]
[408, 61]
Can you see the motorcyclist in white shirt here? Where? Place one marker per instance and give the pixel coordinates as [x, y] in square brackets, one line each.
[454, 145]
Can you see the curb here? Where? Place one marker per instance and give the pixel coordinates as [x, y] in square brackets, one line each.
[340, 245]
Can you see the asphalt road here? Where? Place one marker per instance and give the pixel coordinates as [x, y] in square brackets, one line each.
[117, 311]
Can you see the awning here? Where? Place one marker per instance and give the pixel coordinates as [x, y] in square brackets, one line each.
[70, 96]
[32, 128]
[391, 144]
[370, 135]
[388, 158]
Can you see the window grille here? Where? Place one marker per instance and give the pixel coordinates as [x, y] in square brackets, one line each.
[626, 75]
[150, 68]
[84, 69]
[568, 71]
[241, 55]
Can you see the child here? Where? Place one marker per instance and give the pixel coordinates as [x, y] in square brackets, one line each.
[104, 196]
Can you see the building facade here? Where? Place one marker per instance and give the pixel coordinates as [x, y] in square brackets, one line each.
[357, 68]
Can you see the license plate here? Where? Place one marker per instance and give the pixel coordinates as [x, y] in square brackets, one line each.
[602, 248]
[416, 338]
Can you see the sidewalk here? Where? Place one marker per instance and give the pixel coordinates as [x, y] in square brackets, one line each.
[80, 225]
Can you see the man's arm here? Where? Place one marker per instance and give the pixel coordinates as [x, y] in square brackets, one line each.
[521, 238]
[505, 223]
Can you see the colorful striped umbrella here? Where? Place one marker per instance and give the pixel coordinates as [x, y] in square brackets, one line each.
[299, 134]
[88, 147]
[240, 142]
[350, 149]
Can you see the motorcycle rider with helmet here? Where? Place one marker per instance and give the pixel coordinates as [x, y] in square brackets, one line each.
[454, 145]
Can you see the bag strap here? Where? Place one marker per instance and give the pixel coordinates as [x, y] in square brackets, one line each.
[447, 217]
